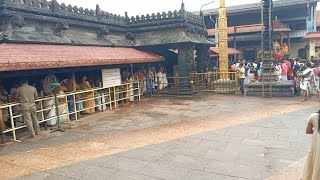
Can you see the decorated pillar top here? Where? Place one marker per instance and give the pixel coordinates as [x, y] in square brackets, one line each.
[222, 3]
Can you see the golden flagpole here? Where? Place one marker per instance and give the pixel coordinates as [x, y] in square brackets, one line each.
[223, 40]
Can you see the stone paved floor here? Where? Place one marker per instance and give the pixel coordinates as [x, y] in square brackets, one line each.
[209, 137]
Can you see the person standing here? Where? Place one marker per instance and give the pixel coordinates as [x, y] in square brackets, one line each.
[241, 75]
[27, 95]
[290, 74]
[316, 79]
[160, 79]
[88, 97]
[284, 73]
[305, 84]
[312, 164]
[246, 73]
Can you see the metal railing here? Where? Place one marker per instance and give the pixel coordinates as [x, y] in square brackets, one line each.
[219, 82]
[71, 105]
[169, 86]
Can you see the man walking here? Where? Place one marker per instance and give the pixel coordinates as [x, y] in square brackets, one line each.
[27, 95]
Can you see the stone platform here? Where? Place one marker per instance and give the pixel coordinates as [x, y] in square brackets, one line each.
[279, 89]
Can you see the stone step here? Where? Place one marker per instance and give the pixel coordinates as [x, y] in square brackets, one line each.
[267, 94]
[279, 89]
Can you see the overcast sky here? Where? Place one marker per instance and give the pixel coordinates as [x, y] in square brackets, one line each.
[139, 7]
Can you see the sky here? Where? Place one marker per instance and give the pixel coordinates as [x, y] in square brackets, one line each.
[139, 7]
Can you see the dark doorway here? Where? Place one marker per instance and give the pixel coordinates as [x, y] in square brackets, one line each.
[250, 54]
[302, 53]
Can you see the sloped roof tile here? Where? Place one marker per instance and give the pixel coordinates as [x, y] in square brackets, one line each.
[39, 56]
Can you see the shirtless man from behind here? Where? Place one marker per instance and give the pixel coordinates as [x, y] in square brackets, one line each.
[316, 80]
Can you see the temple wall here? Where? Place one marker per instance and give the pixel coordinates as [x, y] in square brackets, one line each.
[294, 48]
[161, 36]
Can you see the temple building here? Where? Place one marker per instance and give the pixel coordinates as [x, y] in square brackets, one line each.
[41, 37]
[293, 20]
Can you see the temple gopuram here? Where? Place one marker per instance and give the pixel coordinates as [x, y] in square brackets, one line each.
[41, 37]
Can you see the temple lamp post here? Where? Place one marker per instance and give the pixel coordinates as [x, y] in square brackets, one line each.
[205, 5]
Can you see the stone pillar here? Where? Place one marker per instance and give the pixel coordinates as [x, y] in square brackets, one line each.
[98, 12]
[202, 58]
[186, 61]
[311, 51]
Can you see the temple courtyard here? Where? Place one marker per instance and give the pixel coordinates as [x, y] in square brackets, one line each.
[207, 137]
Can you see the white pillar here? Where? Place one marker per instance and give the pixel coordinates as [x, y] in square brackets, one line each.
[312, 49]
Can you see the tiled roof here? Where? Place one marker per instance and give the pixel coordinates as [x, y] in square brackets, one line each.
[231, 51]
[243, 29]
[37, 56]
[312, 35]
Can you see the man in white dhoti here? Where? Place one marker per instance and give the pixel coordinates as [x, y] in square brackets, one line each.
[317, 79]
[160, 79]
[305, 83]
[164, 76]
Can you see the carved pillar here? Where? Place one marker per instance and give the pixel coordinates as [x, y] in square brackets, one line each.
[98, 12]
[55, 6]
[202, 58]
[186, 61]
[223, 39]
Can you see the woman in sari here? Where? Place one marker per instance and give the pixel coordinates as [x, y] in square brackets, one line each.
[88, 101]
[305, 84]
[312, 164]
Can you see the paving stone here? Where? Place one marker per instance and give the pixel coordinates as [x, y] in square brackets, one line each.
[186, 142]
[197, 151]
[164, 171]
[166, 158]
[245, 149]
[248, 159]
[265, 143]
[121, 163]
[200, 175]
[228, 156]
[95, 172]
[142, 154]
[84, 171]
[286, 154]
[249, 172]
[220, 167]
[243, 131]
[217, 137]
[189, 162]
[215, 145]
[123, 175]
[294, 138]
